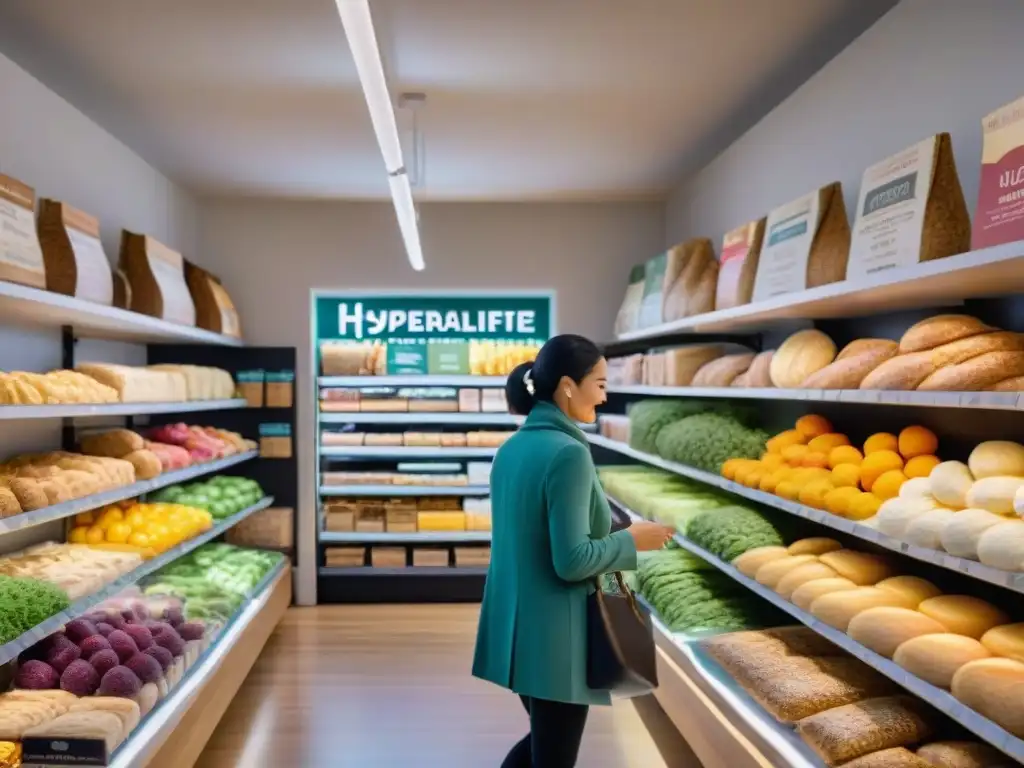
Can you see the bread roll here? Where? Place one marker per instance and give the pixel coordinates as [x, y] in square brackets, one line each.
[682, 363]
[850, 371]
[721, 372]
[1012, 384]
[860, 346]
[758, 375]
[976, 374]
[940, 329]
[903, 372]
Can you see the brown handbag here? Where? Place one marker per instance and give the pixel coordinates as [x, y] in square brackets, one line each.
[620, 643]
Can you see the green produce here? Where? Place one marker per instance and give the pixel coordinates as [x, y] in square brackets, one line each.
[214, 580]
[707, 440]
[24, 603]
[659, 495]
[730, 531]
[222, 496]
[648, 417]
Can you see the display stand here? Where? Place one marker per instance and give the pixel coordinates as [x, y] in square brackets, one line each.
[405, 419]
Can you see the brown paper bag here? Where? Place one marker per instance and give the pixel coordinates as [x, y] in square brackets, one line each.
[76, 264]
[21, 258]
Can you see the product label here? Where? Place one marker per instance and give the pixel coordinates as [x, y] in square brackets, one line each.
[19, 243]
[407, 357]
[789, 234]
[1000, 215]
[735, 249]
[280, 377]
[890, 211]
[167, 268]
[275, 430]
[250, 377]
[49, 752]
[94, 282]
[654, 288]
[448, 358]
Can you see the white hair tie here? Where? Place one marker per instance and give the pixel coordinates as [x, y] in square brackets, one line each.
[528, 382]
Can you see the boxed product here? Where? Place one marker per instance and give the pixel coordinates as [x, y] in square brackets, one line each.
[340, 516]
[999, 217]
[345, 557]
[348, 358]
[400, 516]
[271, 528]
[479, 472]
[75, 262]
[280, 389]
[432, 558]
[383, 400]
[250, 387]
[156, 276]
[387, 557]
[493, 401]
[472, 557]
[469, 400]
[431, 399]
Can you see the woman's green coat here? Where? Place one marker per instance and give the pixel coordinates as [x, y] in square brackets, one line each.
[551, 539]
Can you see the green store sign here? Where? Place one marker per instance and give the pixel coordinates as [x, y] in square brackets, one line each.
[415, 319]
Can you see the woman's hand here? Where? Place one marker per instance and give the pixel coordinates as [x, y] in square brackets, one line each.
[650, 536]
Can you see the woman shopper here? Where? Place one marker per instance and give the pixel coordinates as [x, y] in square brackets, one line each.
[551, 540]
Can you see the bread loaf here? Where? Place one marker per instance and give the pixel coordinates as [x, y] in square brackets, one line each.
[861, 346]
[976, 374]
[693, 291]
[721, 372]
[940, 329]
[902, 372]
[682, 363]
[654, 369]
[800, 355]
[848, 371]
[759, 373]
[137, 385]
[1012, 384]
[962, 754]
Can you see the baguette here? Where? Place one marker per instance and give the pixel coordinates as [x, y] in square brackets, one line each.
[902, 372]
[758, 375]
[850, 371]
[940, 329]
[860, 346]
[1012, 384]
[978, 373]
[721, 372]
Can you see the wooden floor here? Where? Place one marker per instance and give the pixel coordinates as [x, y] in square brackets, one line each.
[389, 687]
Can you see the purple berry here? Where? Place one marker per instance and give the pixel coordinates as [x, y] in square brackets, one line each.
[104, 629]
[162, 655]
[143, 637]
[93, 644]
[145, 667]
[79, 629]
[80, 678]
[104, 661]
[60, 657]
[192, 630]
[121, 682]
[36, 676]
[122, 644]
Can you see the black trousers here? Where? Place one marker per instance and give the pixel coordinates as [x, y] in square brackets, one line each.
[556, 730]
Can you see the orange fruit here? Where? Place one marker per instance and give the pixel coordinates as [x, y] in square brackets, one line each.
[788, 489]
[844, 454]
[881, 441]
[877, 463]
[77, 535]
[729, 467]
[825, 443]
[837, 501]
[138, 539]
[813, 425]
[921, 466]
[887, 486]
[813, 494]
[781, 441]
[118, 533]
[94, 535]
[917, 441]
[794, 454]
[814, 459]
[863, 506]
[846, 476]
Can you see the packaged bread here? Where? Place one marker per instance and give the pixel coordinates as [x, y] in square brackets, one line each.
[156, 275]
[854, 730]
[910, 209]
[806, 244]
[138, 385]
[629, 313]
[999, 216]
[682, 363]
[76, 264]
[741, 249]
[758, 375]
[215, 311]
[125, 709]
[653, 367]
[852, 365]
[21, 258]
[659, 275]
[201, 382]
[721, 371]
[343, 358]
[122, 289]
[114, 443]
[693, 291]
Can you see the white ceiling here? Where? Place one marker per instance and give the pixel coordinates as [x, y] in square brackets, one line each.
[527, 99]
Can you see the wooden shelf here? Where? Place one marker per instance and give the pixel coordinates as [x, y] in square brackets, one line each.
[21, 305]
[993, 401]
[1006, 579]
[996, 271]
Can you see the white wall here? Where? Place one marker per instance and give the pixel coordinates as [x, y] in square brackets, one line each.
[271, 254]
[48, 144]
[925, 67]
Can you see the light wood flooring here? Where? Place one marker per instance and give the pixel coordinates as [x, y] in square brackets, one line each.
[389, 687]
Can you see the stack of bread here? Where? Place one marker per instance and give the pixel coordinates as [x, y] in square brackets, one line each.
[342, 358]
[34, 481]
[55, 387]
[78, 570]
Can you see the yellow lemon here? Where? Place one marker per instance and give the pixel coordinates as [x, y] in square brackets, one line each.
[844, 454]
[837, 501]
[118, 533]
[881, 441]
[77, 535]
[95, 535]
[863, 506]
[846, 475]
[887, 486]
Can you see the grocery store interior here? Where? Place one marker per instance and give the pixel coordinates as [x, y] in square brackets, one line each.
[266, 267]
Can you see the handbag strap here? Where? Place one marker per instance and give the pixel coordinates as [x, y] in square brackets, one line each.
[626, 592]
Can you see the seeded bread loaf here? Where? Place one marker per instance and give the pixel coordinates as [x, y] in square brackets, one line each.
[976, 374]
[848, 370]
[721, 372]
[940, 329]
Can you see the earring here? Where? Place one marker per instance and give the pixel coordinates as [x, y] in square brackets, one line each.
[568, 393]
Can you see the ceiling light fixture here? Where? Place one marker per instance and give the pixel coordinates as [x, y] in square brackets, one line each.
[362, 41]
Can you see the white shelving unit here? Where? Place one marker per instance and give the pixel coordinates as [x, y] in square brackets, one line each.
[355, 382]
[940, 699]
[996, 271]
[404, 490]
[454, 419]
[994, 401]
[15, 412]
[419, 537]
[405, 452]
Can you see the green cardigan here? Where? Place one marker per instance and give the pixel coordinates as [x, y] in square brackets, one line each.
[551, 539]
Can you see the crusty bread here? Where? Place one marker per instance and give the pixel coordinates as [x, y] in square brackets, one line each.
[849, 372]
[940, 329]
[758, 374]
[1012, 384]
[860, 346]
[901, 372]
[978, 373]
[962, 350]
[682, 363]
[721, 372]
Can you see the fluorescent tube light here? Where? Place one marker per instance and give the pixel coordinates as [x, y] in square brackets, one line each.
[362, 41]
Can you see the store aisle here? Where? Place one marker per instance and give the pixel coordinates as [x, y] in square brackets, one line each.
[389, 687]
